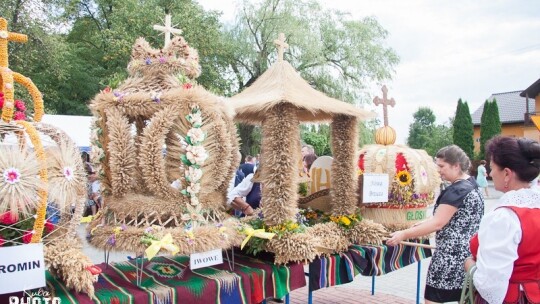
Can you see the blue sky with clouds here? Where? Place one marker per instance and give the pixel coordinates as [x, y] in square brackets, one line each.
[448, 50]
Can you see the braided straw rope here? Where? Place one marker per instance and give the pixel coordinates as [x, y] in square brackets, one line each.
[39, 224]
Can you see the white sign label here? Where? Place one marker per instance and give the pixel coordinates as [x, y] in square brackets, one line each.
[21, 268]
[205, 259]
[375, 188]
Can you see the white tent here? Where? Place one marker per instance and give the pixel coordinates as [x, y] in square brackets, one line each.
[77, 127]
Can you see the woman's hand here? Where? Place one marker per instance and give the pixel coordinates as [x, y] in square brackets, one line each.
[248, 210]
[396, 238]
[469, 262]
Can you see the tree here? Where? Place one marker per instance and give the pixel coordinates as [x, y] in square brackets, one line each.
[366, 131]
[318, 137]
[421, 129]
[43, 57]
[490, 124]
[72, 62]
[496, 117]
[335, 54]
[463, 129]
[441, 136]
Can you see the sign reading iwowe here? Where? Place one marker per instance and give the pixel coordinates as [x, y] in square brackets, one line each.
[21, 268]
[205, 259]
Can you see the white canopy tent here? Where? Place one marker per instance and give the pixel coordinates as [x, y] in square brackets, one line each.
[77, 127]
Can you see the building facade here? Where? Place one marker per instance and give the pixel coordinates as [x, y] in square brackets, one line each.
[519, 113]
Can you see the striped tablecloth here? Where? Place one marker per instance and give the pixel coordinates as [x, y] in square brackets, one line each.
[362, 259]
[169, 280]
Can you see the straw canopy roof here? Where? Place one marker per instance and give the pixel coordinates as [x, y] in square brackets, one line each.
[281, 83]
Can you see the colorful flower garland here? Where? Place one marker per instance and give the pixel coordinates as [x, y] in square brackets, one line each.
[20, 108]
[193, 160]
[401, 193]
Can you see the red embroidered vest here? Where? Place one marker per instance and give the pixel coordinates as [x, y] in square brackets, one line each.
[527, 266]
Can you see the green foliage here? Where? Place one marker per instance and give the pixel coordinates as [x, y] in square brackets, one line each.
[425, 134]
[78, 47]
[256, 245]
[463, 129]
[303, 189]
[318, 137]
[89, 46]
[496, 117]
[310, 217]
[335, 54]
[366, 130]
[490, 125]
[18, 229]
[421, 129]
[441, 136]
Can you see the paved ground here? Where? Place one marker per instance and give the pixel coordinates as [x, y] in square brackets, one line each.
[395, 287]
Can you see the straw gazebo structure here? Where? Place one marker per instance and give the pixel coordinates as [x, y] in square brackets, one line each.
[280, 100]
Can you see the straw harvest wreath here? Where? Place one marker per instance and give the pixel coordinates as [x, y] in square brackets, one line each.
[42, 179]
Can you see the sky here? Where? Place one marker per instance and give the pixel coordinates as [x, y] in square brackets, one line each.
[448, 50]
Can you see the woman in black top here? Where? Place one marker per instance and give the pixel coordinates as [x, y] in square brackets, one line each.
[456, 218]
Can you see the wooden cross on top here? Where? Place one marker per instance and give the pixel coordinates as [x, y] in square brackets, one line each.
[167, 29]
[281, 45]
[385, 102]
[6, 36]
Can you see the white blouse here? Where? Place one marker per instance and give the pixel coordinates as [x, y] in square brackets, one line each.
[241, 190]
[499, 236]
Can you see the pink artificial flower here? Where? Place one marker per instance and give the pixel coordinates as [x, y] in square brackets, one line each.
[8, 218]
[94, 269]
[49, 227]
[19, 116]
[1, 241]
[19, 105]
[27, 238]
[1, 95]
[187, 86]
[1, 102]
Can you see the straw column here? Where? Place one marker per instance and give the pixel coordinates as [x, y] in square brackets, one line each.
[344, 177]
[279, 164]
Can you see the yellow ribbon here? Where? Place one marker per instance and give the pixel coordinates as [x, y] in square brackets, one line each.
[165, 243]
[86, 219]
[260, 233]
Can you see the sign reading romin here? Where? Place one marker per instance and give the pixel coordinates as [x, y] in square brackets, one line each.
[205, 259]
[375, 188]
[21, 268]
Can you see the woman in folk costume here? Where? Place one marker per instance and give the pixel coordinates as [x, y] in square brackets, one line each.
[456, 218]
[505, 262]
